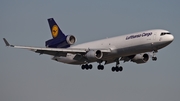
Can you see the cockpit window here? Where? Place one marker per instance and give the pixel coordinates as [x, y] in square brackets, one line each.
[164, 33]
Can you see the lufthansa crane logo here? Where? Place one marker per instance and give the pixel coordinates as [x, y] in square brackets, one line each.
[54, 31]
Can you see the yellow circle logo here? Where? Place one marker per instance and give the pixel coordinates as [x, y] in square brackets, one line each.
[54, 31]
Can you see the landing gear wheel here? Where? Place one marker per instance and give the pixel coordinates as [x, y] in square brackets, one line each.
[120, 68]
[100, 67]
[86, 66]
[90, 66]
[154, 58]
[83, 67]
[113, 69]
[117, 69]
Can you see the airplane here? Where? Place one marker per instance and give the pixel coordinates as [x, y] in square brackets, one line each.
[136, 47]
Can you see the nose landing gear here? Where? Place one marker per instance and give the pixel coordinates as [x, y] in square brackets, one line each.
[154, 58]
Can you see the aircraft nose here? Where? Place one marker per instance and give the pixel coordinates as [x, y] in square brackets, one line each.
[171, 38]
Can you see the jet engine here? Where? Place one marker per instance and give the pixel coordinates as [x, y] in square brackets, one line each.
[94, 55]
[140, 58]
[70, 39]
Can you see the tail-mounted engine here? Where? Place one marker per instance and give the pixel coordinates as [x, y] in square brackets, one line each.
[70, 39]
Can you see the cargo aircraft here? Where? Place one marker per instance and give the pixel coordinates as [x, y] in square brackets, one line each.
[136, 47]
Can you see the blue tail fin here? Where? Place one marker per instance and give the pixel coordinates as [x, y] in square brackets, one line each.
[55, 30]
[58, 36]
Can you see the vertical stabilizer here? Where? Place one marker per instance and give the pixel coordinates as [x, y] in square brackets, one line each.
[59, 38]
[55, 30]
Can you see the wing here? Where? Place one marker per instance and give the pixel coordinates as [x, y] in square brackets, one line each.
[55, 51]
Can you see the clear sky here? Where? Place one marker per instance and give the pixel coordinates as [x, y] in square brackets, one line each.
[27, 76]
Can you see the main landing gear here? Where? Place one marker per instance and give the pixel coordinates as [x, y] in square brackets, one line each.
[117, 68]
[86, 66]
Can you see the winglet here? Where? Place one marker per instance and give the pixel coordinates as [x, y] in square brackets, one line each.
[7, 43]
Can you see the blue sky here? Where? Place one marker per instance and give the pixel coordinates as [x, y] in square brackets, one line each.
[27, 76]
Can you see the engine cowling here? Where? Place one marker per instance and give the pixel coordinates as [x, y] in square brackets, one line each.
[70, 39]
[140, 58]
[94, 55]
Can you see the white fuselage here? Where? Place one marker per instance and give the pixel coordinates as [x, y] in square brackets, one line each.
[125, 45]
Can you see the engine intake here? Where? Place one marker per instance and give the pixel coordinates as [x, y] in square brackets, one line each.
[94, 55]
[140, 58]
[70, 39]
